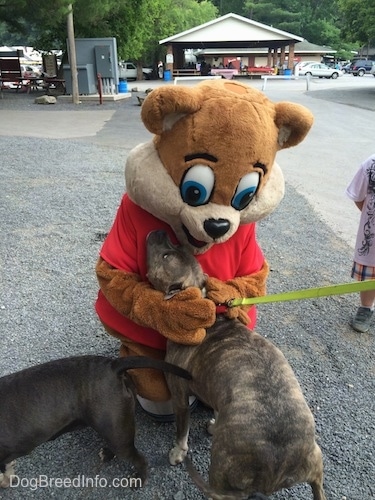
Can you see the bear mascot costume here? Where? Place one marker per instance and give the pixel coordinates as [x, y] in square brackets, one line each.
[206, 177]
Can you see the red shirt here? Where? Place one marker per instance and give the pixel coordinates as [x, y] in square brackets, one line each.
[125, 249]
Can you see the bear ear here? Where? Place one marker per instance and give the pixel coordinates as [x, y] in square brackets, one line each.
[293, 121]
[166, 105]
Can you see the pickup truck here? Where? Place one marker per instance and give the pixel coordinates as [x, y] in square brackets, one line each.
[128, 71]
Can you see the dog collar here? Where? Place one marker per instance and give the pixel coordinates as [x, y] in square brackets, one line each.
[221, 309]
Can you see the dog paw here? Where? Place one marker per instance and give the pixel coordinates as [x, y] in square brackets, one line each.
[5, 476]
[177, 455]
[4, 481]
[139, 479]
[211, 426]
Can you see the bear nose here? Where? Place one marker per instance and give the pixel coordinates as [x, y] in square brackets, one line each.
[216, 227]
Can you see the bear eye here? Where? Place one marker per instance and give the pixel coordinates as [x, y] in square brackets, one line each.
[197, 185]
[245, 191]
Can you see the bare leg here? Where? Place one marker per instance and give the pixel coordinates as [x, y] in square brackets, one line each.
[367, 298]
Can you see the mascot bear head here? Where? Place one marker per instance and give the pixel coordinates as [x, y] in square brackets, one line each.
[211, 165]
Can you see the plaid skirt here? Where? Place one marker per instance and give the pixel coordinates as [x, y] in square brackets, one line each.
[361, 272]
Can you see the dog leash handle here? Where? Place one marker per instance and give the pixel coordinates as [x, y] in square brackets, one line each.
[308, 293]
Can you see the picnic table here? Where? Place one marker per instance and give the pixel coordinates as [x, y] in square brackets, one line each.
[28, 82]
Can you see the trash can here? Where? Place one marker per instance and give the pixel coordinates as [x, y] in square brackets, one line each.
[122, 87]
[167, 75]
[287, 72]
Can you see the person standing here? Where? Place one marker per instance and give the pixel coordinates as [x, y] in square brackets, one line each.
[361, 190]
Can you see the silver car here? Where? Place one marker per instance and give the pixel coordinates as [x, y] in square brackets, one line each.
[320, 70]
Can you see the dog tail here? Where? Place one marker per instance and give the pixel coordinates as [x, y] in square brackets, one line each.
[215, 495]
[130, 362]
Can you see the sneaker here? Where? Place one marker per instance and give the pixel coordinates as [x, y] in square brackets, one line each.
[162, 411]
[362, 319]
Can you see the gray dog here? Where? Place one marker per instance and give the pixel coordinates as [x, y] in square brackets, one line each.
[264, 432]
[40, 403]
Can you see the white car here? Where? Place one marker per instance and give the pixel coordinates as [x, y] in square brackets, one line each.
[320, 70]
[28, 70]
[301, 64]
[128, 71]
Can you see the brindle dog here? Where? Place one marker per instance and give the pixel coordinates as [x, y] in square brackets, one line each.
[264, 432]
[40, 403]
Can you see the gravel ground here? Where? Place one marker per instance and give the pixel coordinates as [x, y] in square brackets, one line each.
[58, 198]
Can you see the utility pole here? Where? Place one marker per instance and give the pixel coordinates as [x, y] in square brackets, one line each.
[72, 55]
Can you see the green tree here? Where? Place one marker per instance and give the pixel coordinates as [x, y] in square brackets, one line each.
[155, 20]
[282, 14]
[137, 25]
[358, 20]
[226, 6]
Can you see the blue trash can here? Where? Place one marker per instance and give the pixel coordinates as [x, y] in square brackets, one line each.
[287, 73]
[122, 87]
[167, 75]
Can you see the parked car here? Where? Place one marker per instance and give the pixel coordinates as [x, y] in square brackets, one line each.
[320, 70]
[360, 67]
[128, 71]
[346, 68]
[301, 64]
[28, 70]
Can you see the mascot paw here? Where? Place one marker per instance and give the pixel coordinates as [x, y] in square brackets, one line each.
[185, 317]
[220, 292]
[238, 313]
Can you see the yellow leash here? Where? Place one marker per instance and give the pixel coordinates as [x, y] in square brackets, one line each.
[308, 293]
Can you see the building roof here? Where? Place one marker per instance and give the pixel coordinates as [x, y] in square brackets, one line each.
[231, 31]
[310, 48]
[300, 48]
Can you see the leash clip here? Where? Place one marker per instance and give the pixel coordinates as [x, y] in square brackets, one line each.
[230, 303]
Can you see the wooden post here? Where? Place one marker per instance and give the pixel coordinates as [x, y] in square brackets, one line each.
[282, 56]
[274, 58]
[72, 54]
[269, 58]
[169, 57]
[291, 56]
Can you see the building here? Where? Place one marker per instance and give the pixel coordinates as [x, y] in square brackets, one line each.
[241, 42]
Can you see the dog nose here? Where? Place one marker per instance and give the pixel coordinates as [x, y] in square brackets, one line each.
[216, 227]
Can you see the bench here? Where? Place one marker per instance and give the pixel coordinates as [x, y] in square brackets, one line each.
[193, 78]
[53, 82]
[29, 83]
[10, 68]
[54, 85]
[256, 71]
[185, 72]
[225, 72]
